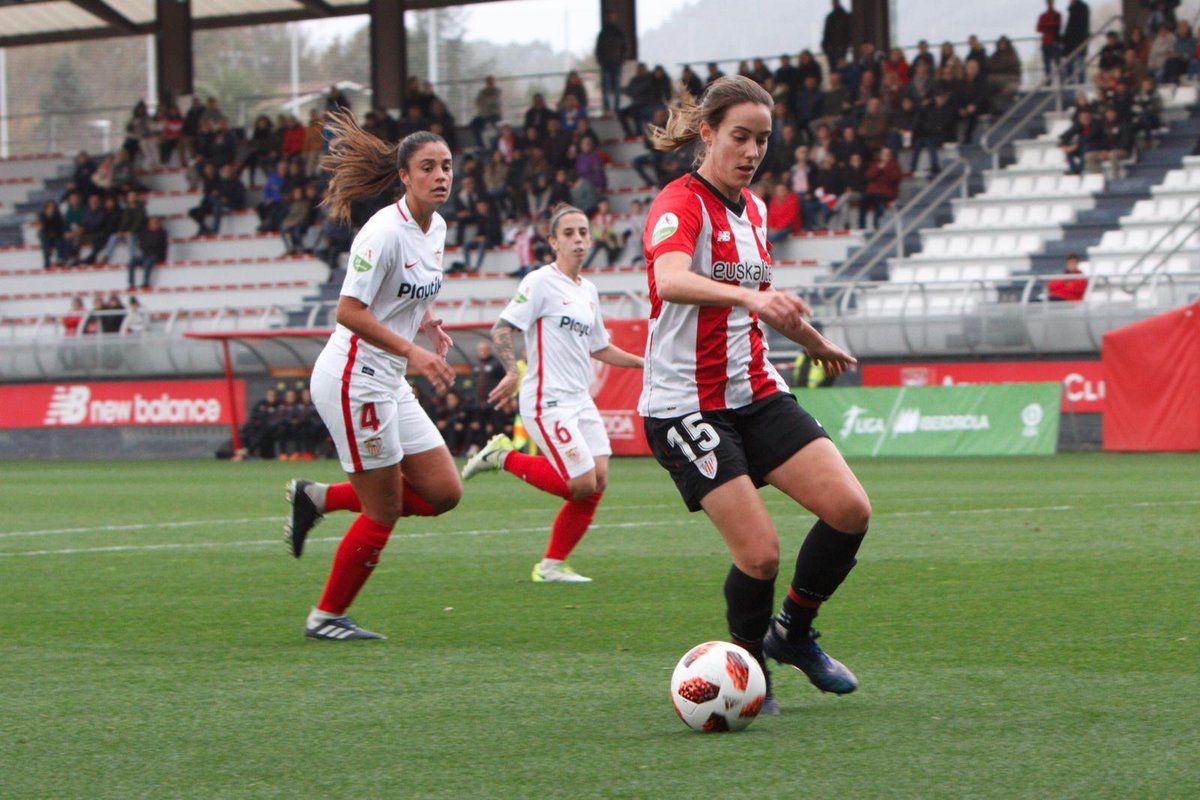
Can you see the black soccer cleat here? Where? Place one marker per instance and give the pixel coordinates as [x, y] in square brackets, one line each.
[303, 517]
[800, 650]
[338, 629]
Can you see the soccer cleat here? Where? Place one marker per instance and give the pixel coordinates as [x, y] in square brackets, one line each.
[305, 514]
[770, 706]
[557, 573]
[802, 652]
[490, 458]
[338, 629]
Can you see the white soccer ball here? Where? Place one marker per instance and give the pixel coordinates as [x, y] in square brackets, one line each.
[717, 686]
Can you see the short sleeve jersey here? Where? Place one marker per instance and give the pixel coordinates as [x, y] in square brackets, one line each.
[395, 268]
[563, 326]
[701, 358]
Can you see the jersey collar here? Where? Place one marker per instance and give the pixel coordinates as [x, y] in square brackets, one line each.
[554, 266]
[738, 208]
[405, 214]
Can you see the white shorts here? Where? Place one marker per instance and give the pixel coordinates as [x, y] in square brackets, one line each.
[570, 436]
[372, 424]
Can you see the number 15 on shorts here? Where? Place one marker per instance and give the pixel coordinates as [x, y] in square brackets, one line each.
[692, 434]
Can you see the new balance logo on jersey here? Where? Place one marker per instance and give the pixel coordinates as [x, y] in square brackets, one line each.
[740, 271]
[575, 326]
[724, 236]
[68, 405]
[420, 292]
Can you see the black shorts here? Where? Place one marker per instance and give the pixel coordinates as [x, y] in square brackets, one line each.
[706, 449]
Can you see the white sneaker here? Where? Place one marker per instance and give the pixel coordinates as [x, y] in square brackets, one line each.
[490, 458]
[556, 572]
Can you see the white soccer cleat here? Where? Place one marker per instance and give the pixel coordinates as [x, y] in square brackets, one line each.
[490, 458]
[556, 572]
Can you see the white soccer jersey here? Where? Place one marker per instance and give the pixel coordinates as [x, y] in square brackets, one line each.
[563, 327]
[396, 269]
[701, 358]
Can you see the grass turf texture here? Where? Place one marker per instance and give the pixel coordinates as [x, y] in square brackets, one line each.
[1021, 628]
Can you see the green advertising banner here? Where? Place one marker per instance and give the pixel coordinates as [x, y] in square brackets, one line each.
[979, 420]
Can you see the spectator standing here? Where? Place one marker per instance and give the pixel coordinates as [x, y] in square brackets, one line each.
[190, 131]
[1077, 31]
[1004, 70]
[835, 40]
[152, 242]
[1068, 290]
[1049, 26]
[610, 55]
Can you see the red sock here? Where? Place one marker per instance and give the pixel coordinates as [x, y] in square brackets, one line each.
[537, 471]
[570, 525]
[415, 505]
[341, 497]
[353, 562]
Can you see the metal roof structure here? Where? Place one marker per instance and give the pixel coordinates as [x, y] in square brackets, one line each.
[25, 22]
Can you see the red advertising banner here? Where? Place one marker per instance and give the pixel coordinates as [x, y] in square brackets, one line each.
[1083, 381]
[1153, 367]
[616, 390]
[119, 403]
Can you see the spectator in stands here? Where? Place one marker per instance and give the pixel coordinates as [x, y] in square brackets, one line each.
[112, 314]
[828, 191]
[453, 420]
[808, 104]
[92, 228]
[131, 223]
[137, 133]
[560, 189]
[538, 114]
[260, 148]
[883, 187]
[1147, 110]
[73, 228]
[256, 433]
[605, 236]
[1161, 48]
[487, 234]
[1077, 31]
[1114, 144]
[171, 124]
[152, 243]
[295, 224]
[835, 39]
[875, 124]
[896, 65]
[51, 228]
[488, 109]
[714, 72]
[1049, 27]
[974, 100]
[558, 143]
[336, 100]
[1183, 53]
[1004, 71]
[690, 82]
[935, 125]
[72, 319]
[272, 208]
[135, 321]
[439, 115]
[584, 195]
[1068, 290]
[783, 213]
[1082, 137]
[800, 181]
[334, 239]
[102, 178]
[611, 51]
[643, 99]
[191, 130]
[82, 172]
[1136, 40]
[313, 143]
[572, 113]
[573, 87]
[848, 144]
[589, 164]
[836, 103]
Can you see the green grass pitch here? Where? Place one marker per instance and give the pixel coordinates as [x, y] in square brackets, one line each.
[1022, 628]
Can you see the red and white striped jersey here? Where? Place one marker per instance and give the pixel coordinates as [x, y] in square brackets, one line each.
[702, 358]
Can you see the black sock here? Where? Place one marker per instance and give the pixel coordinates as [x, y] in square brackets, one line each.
[748, 605]
[824, 561]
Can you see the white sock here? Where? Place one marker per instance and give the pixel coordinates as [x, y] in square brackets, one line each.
[316, 493]
[551, 562]
[317, 616]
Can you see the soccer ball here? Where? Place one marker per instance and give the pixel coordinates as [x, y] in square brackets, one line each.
[717, 686]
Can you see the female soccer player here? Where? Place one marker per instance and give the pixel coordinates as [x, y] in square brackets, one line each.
[394, 456]
[559, 312]
[717, 415]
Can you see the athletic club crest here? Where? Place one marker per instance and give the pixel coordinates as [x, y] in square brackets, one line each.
[707, 464]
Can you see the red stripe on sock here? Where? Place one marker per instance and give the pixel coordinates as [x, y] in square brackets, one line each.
[353, 562]
[570, 525]
[537, 471]
[804, 602]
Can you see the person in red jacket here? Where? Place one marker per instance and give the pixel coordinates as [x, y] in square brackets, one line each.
[883, 187]
[293, 138]
[783, 214]
[1049, 26]
[1068, 290]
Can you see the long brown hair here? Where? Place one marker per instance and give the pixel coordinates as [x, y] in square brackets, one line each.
[684, 118]
[362, 165]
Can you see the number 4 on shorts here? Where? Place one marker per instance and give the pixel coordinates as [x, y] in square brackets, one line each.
[367, 417]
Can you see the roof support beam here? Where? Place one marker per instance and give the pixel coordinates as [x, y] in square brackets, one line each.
[103, 11]
[319, 7]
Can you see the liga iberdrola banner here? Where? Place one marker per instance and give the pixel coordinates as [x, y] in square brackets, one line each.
[980, 420]
[616, 390]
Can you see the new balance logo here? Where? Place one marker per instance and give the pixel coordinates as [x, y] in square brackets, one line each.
[68, 405]
[724, 236]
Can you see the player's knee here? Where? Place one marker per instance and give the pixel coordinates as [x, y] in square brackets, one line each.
[446, 499]
[762, 563]
[582, 488]
[853, 514]
[601, 484]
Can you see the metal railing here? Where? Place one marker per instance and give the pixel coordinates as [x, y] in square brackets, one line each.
[1135, 269]
[1013, 122]
[901, 222]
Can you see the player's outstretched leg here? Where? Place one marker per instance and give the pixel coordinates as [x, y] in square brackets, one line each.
[311, 501]
[490, 458]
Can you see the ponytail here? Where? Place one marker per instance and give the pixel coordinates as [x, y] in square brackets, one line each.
[683, 119]
[360, 165]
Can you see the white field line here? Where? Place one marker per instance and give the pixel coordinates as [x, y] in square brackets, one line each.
[482, 532]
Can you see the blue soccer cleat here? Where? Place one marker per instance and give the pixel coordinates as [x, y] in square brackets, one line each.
[801, 651]
[338, 629]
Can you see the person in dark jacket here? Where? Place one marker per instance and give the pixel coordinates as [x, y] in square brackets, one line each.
[835, 39]
[1077, 31]
[974, 99]
[1083, 136]
[1049, 27]
[51, 228]
[151, 251]
[130, 224]
[1113, 144]
[539, 114]
[610, 55]
[883, 187]
[643, 96]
